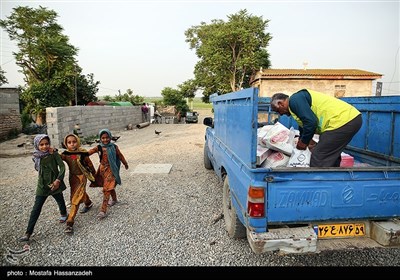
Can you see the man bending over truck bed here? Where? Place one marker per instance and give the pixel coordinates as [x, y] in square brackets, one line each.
[317, 113]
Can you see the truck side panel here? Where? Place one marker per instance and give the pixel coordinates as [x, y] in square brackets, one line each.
[329, 196]
[237, 123]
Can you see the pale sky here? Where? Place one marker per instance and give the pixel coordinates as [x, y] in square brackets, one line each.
[140, 45]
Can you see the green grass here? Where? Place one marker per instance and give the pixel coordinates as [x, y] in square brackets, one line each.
[198, 104]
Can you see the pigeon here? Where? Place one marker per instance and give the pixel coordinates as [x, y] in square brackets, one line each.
[115, 138]
[157, 132]
[20, 145]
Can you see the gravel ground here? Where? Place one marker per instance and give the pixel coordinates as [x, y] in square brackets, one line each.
[162, 219]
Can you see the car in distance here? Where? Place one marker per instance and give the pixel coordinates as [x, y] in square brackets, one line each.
[192, 117]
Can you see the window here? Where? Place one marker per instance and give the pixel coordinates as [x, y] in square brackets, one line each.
[340, 90]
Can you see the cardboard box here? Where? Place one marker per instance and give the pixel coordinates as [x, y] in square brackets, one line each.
[347, 160]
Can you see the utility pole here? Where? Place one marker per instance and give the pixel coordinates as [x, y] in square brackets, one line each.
[76, 90]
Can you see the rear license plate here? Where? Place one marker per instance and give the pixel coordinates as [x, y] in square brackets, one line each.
[340, 230]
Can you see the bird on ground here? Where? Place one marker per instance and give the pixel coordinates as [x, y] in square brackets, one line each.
[115, 138]
[20, 145]
[157, 132]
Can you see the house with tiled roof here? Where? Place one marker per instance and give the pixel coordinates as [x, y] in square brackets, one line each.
[335, 82]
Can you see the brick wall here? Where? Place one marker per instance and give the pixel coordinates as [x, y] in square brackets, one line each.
[62, 120]
[10, 117]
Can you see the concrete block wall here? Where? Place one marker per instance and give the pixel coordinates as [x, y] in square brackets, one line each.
[62, 120]
[9, 112]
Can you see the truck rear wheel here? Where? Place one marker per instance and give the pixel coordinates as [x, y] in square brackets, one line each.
[232, 223]
[207, 161]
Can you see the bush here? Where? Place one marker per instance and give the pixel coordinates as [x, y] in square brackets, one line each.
[12, 133]
[26, 120]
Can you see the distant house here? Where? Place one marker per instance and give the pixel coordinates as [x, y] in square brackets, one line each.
[335, 82]
[9, 112]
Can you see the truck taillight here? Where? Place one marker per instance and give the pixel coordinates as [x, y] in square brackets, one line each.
[255, 202]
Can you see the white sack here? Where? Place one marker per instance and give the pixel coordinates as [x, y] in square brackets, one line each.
[277, 139]
[300, 158]
[275, 159]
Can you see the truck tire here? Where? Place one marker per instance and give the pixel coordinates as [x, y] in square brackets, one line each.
[232, 223]
[207, 161]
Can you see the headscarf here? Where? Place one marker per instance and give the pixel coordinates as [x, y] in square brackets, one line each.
[113, 160]
[38, 154]
[79, 149]
[82, 152]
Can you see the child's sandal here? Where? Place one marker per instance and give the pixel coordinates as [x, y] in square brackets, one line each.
[69, 229]
[63, 219]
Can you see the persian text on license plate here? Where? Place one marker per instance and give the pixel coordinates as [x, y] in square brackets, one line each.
[340, 230]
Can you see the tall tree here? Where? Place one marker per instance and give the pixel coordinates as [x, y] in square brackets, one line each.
[229, 52]
[46, 58]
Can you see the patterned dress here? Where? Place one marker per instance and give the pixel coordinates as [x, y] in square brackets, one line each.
[80, 168]
[104, 175]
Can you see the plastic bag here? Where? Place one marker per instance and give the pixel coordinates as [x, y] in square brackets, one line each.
[300, 158]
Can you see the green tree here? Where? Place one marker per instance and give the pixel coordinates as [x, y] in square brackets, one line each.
[128, 96]
[47, 60]
[3, 79]
[229, 52]
[174, 97]
[86, 89]
[108, 98]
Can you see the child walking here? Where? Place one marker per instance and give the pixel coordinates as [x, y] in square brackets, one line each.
[51, 170]
[80, 170]
[107, 175]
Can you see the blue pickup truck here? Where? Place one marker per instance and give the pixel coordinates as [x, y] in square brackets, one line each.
[303, 209]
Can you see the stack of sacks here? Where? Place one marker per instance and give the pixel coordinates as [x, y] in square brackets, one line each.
[280, 145]
[262, 151]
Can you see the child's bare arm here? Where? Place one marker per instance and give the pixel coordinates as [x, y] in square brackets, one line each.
[122, 158]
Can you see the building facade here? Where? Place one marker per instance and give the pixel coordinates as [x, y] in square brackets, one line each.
[9, 112]
[335, 82]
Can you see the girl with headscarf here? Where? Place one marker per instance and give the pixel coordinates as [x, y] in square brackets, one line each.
[80, 170]
[51, 171]
[107, 175]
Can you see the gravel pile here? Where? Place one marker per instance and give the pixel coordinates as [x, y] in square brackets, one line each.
[161, 220]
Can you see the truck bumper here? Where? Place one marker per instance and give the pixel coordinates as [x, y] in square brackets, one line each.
[304, 239]
[285, 240]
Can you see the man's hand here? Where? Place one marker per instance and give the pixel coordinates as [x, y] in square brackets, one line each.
[301, 146]
[312, 145]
